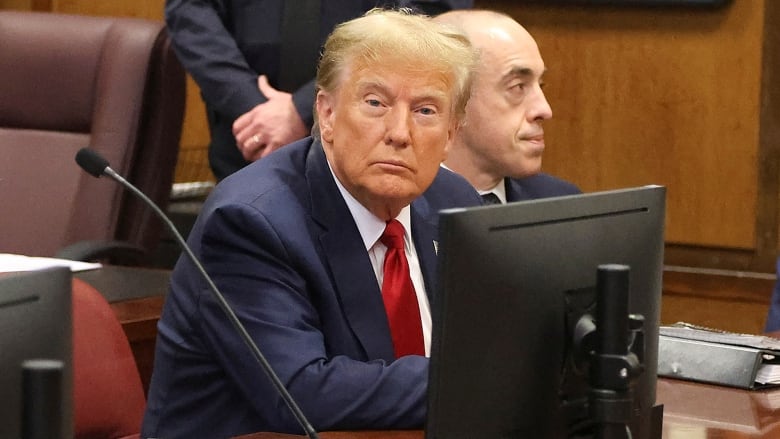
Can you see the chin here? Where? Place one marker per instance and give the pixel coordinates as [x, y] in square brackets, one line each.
[401, 192]
[527, 171]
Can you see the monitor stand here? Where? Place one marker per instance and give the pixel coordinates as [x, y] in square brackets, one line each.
[615, 343]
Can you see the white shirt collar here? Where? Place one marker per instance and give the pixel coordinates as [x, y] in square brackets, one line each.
[499, 189]
[369, 225]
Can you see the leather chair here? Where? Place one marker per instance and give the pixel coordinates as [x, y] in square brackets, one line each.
[108, 396]
[67, 82]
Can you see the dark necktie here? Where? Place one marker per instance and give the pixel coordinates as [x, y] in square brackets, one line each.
[300, 43]
[403, 312]
[490, 198]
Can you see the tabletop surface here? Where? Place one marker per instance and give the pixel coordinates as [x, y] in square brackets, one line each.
[691, 411]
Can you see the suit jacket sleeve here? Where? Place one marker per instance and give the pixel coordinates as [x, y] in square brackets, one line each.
[205, 37]
[773, 317]
[280, 289]
[209, 52]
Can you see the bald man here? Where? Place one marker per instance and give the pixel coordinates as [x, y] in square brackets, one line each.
[499, 148]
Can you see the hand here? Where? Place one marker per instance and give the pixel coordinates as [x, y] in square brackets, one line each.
[268, 126]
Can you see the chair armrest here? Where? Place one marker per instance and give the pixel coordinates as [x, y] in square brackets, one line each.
[115, 252]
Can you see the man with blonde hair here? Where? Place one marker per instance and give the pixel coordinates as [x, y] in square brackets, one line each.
[326, 250]
[499, 148]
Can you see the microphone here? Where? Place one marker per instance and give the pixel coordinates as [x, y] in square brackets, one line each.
[96, 165]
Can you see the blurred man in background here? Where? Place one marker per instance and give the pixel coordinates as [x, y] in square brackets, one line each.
[255, 62]
[499, 148]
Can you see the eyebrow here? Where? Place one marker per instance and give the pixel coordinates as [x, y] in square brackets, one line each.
[522, 72]
[370, 84]
[363, 85]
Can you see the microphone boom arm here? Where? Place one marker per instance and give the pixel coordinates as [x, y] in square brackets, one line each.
[247, 339]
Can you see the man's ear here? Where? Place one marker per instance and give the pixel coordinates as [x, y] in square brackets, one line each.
[325, 114]
[452, 133]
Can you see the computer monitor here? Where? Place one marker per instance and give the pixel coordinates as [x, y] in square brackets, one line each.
[510, 278]
[35, 323]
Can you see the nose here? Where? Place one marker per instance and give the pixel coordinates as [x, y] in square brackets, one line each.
[539, 109]
[397, 131]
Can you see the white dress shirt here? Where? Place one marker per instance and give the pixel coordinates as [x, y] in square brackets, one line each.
[371, 229]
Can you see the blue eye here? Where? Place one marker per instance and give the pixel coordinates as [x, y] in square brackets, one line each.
[373, 102]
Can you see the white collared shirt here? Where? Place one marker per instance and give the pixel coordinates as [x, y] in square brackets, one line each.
[371, 229]
[499, 189]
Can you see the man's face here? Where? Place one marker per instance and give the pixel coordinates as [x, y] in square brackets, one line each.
[385, 131]
[503, 123]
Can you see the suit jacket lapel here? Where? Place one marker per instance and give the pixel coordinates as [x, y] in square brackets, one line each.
[345, 255]
[424, 235]
[514, 192]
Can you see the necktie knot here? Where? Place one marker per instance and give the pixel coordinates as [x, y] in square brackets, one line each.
[490, 198]
[393, 237]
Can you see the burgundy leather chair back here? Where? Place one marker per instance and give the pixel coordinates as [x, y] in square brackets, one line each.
[67, 82]
[108, 396]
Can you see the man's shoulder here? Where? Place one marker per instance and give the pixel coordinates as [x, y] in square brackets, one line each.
[277, 179]
[450, 190]
[540, 185]
[290, 159]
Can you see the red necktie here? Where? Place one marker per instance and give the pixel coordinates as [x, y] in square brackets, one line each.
[403, 312]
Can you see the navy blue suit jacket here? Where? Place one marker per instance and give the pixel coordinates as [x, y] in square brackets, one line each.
[538, 186]
[773, 317]
[281, 244]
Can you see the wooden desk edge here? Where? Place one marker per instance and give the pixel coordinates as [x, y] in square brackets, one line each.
[366, 434]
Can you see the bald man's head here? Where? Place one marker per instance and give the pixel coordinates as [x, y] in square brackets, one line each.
[502, 135]
[478, 24]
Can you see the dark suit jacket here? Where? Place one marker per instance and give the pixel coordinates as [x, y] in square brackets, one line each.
[281, 244]
[538, 186]
[773, 317]
[226, 44]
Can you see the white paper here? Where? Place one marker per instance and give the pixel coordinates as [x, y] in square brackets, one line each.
[10, 262]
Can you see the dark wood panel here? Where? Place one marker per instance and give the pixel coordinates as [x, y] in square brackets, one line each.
[768, 217]
[684, 97]
[653, 95]
[733, 301]
[139, 320]
[150, 9]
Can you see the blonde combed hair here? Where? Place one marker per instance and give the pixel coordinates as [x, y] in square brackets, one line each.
[399, 36]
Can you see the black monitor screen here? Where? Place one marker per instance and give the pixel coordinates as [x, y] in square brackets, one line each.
[510, 277]
[35, 323]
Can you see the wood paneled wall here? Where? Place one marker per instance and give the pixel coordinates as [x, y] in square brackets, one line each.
[677, 96]
[683, 97]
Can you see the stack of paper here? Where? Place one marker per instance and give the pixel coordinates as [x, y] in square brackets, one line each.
[10, 262]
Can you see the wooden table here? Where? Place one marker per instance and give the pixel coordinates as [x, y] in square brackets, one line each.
[691, 411]
[702, 411]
